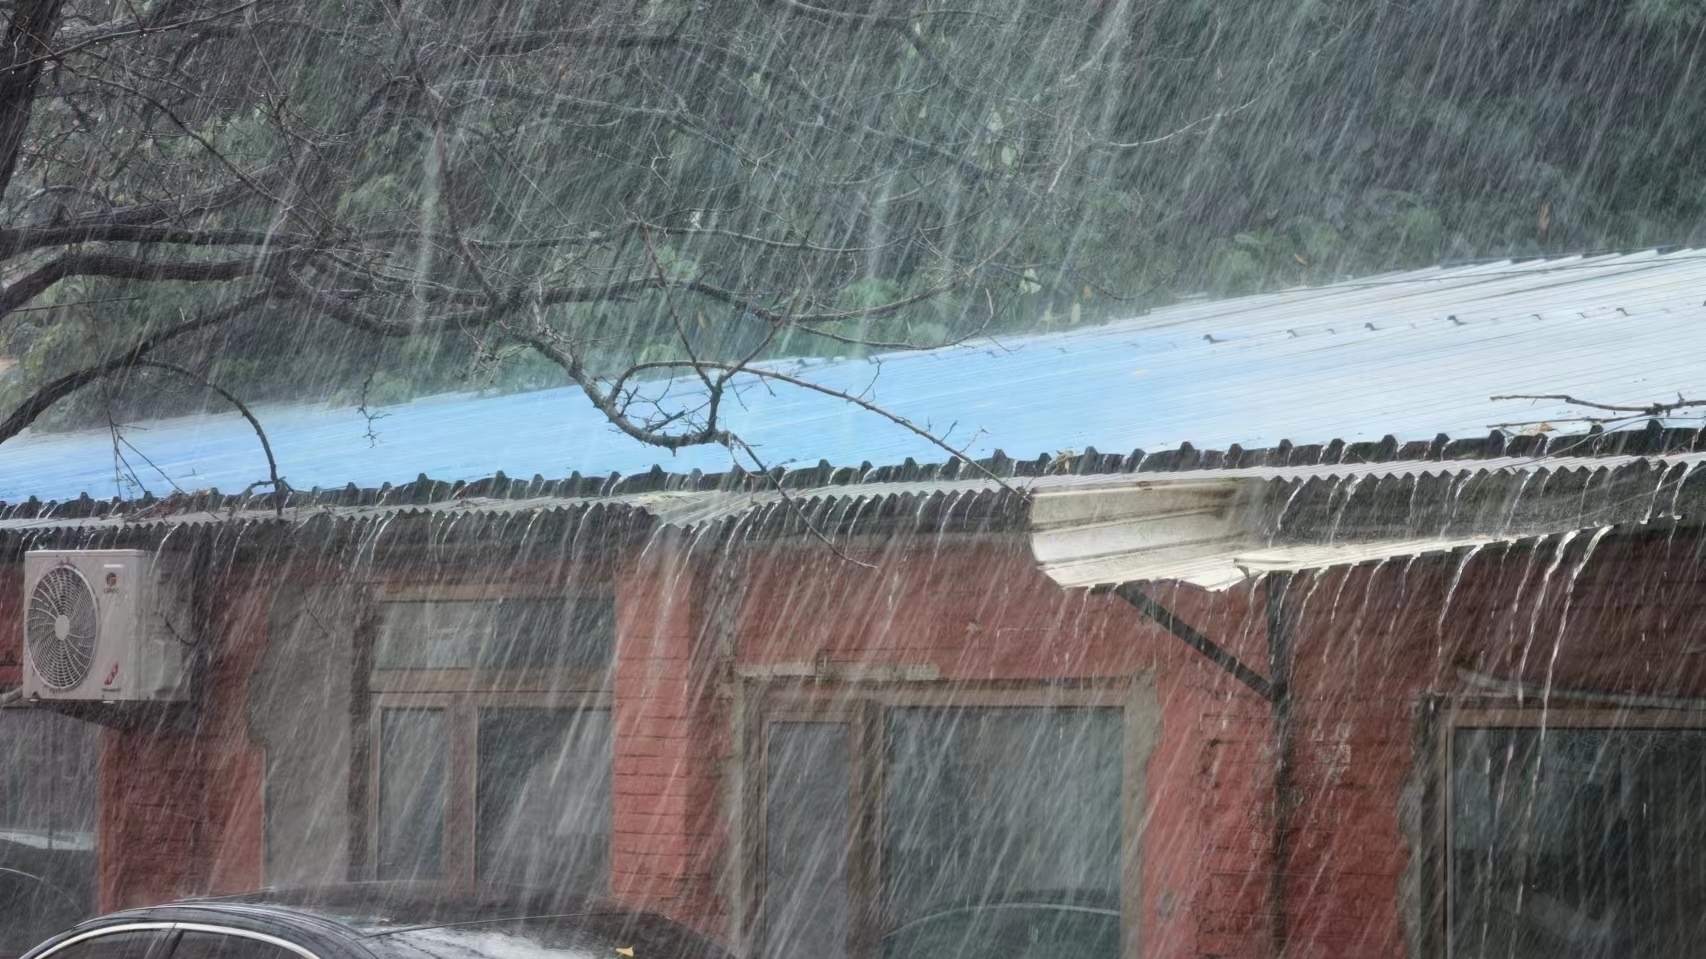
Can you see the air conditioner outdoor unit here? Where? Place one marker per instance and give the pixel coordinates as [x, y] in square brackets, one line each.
[104, 626]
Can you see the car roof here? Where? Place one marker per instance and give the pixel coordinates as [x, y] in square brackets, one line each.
[323, 935]
[391, 921]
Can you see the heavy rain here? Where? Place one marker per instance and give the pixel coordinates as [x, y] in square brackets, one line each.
[868, 479]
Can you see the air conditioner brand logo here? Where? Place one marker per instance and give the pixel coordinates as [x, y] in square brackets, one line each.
[112, 676]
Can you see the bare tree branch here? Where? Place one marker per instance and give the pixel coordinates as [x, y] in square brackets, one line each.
[131, 27]
[801, 245]
[868, 406]
[428, 192]
[829, 15]
[15, 241]
[38, 281]
[44, 397]
[31, 30]
[737, 445]
[279, 489]
[1649, 410]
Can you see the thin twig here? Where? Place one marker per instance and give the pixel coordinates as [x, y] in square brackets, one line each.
[734, 443]
[1651, 409]
[37, 403]
[869, 406]
[279, 487]
[140, 30]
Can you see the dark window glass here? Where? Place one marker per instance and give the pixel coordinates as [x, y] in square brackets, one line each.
[430, 635]
[561, 633]
[1577, 842]
[212, 945]
[806, 822]
[117, 945]
[1009, 931]
[544, 798]
[1001, 830]
[412, 764]
[47, 825]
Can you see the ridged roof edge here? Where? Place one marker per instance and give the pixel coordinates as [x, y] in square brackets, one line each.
[1654, 439]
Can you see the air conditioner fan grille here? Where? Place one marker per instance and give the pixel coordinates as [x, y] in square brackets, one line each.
[62, 627]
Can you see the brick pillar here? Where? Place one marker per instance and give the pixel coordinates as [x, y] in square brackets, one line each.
[181, 809]
[1208, 841]
[12, 621]
[668, 729]
[152, 794]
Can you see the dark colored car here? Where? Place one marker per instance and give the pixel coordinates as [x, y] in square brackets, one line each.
[378, 923]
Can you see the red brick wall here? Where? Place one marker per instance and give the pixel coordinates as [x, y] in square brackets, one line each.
[1208, 849]
[1370, 643]
[11, 625]
[979, 609]
[1364, 652]
[973, 609]
[181, 814]
[180, 809]
[670, 737]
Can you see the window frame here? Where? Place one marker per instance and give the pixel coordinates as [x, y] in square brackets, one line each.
[863, 706]
[461, 802]
[167, 934]
[162, 933]
[462, 694]
[1506, 714]
[179, 928]
[535, 679]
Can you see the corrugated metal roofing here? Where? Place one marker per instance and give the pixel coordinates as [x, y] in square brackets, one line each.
[689, 508]
[1411, 354]
[706, 514]
[1208, 527]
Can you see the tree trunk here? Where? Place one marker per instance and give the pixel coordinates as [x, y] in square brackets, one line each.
[29, 38]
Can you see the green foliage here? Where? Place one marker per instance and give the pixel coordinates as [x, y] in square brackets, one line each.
[1668, 14]
[869, 292]
[1062, 162]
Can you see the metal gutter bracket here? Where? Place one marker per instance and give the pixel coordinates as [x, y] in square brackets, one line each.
[1214, 652]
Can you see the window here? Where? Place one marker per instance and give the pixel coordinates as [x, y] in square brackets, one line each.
[496, 634]
[113, 945]
[543, 790]
[413, 748]
[906, 831]
[492, 741]
[47, 825]
[1576, 841]
[1000, 805]
[215, 945]
[806, 825]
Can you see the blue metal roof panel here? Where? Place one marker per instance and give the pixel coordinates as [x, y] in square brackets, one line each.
[1410, 354]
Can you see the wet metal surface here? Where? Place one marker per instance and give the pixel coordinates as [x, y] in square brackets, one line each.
[1410, 355]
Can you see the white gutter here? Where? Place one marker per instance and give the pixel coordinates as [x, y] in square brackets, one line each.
[1215, 529]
